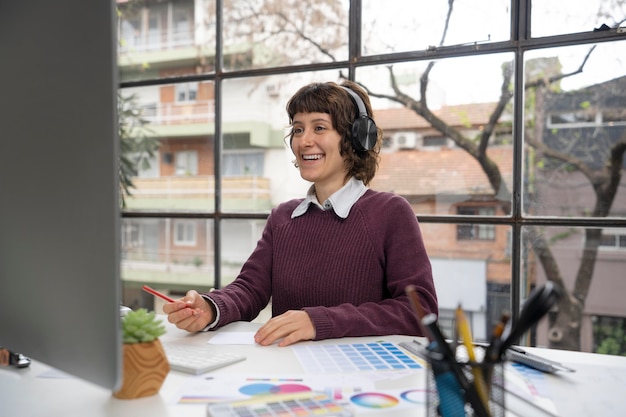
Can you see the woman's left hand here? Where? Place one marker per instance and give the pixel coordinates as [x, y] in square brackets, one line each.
[291, 326]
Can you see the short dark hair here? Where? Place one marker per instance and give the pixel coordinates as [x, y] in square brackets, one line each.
[331, 98]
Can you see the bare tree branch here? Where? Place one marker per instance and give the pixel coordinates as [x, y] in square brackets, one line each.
[300, 33]
[540, 82]
[505, 97]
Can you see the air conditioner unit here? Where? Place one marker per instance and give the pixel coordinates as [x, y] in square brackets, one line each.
[404, 140]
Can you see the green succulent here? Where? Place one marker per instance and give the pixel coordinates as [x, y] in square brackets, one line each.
[141, 326]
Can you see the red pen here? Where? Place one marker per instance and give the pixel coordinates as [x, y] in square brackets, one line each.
[160, 295]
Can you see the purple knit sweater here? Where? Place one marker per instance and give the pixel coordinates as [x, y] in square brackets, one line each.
[349, 275]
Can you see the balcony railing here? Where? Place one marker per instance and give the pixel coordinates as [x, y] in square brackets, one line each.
[197, 192]
[155, 41]
[199, 111]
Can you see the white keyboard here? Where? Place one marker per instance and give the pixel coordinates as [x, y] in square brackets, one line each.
[197, 359]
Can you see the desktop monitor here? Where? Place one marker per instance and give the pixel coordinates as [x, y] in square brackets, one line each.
[59, 208]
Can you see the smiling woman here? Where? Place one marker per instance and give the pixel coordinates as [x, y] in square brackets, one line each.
[354, 283]
[315, 144]
[328, 108]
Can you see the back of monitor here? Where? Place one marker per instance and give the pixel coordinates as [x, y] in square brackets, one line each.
[59, 208]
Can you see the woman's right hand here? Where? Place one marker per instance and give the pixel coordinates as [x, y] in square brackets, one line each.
[192, 312]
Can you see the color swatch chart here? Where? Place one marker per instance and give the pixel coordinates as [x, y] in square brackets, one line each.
[354, 357]
[303, 404]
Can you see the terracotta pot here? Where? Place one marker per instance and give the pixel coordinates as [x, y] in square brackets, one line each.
[145, 367]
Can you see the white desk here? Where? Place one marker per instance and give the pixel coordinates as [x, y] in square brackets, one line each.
[596, 389]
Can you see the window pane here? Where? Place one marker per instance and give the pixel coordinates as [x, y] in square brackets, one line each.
[572, 258]
[573, 125]
[459, 111]
[160, 39]
[258, 172]
[578, 16]
[399, 25]
[169, 253]
[475, 273]
[238, 238]
[279, 33]
[172, 148]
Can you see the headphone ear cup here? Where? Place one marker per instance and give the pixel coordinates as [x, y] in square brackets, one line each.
[364, 133]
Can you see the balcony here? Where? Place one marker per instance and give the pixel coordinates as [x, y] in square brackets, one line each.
[197, 193]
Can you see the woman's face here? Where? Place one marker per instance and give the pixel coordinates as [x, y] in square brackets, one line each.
[316, 146]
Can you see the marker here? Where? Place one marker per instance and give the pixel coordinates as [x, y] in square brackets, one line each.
[160, 295]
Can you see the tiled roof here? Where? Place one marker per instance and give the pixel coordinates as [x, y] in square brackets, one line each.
[402, 118]
[446, 171]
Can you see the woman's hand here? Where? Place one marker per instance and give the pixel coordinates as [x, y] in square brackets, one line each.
[192, 312]
[291, 326]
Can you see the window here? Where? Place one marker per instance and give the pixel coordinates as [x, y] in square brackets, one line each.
[155, 26]
[131, 235]
[243, 163]
[476, 231]
[186, 92]
[184, 233]
[512, 142]
[130, 29]
[613, 239]
[182, 23]
[186, 163]
[435, 141]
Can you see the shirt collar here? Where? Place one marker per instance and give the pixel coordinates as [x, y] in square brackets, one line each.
[341, 201]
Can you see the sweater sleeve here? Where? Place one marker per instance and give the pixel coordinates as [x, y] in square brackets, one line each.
[397, 240]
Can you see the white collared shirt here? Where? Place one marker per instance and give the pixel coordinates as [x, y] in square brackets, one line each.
[341, 201]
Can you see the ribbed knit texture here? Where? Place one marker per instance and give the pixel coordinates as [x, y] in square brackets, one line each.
[350, 275]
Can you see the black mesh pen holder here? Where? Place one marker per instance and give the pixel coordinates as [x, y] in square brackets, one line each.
[447, 398]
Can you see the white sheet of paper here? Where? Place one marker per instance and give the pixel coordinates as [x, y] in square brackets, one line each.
[233, 338]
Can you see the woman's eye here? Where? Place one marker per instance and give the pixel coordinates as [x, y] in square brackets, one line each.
[296, 130]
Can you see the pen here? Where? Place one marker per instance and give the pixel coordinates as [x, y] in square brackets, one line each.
[518, 355]
[430, 322]
[493, 349]
[160, 295]
[466, 335]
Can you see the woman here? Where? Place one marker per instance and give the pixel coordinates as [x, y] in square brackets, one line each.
[336, 263]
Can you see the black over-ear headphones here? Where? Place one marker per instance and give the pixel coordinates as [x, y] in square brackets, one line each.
[364, 133]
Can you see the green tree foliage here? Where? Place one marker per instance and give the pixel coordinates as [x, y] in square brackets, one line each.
[136, 146]
[610, 336]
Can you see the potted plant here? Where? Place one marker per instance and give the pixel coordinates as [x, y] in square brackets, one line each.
[145, 365]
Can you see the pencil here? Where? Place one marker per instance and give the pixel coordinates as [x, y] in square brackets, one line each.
[160, 295]
[466, 335]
